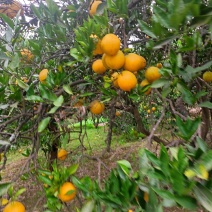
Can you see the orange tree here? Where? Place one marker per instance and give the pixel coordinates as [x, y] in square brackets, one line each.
[50, 75]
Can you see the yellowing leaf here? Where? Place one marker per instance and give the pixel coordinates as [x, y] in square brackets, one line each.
[189, 173]
[203, 173]
[4, 201]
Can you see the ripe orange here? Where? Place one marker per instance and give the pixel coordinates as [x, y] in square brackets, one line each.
[159, 65]
[144, 83]
[114, 79]
[43, 75]
[148, 111]
[110, 44]
[14, 206]
[67, 192]
[11, 10]
[103, 60]
[116, 61]
[134, 62]
[27, 55]
[153, 109]
[98, 67]
[98, 49]
[62, 154]
[152, 74]
[93, 7]
[127, 81]
[207, 76]
[96, 107]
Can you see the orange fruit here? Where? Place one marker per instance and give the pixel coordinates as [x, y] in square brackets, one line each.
[43, 75]
[152, 74]
[144, 83]
[14, 206]
[159, 65]
[98, 49]
[11, 10]
[207, 76]
[130, 210]
[153, 109]
[27, 55]
[96, 107]
[98, 67]
[110, 44]
[93, 7]
[67, 192]
[134, 62]
[103, 61]
[148, 111]
[127, 81]
[114, 79]
[116, 61]
[62, 154]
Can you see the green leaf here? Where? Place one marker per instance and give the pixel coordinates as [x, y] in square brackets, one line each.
[47, 94]
[125, 166]
[161, 43]
[19, 192]
[203, 67]
[187, 128]
[204, 196]
[59, 101]
[7, 20]
[22, 84]
[72, 169]
[34, 98]
[206, 104]
[186, 202]
[45, 179]
[67, 89]
[201, 144]
[146, 29]
[153, 158]
[163, 193]
[4, 188]
[164, 160]
[160, 16]
[15, 62]
[53, 110]
[35, 10]
[206, 160]
[159, 83]
[43, 124]
[88, 206]
[187, 96]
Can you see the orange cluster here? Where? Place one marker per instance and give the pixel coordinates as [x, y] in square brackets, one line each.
[114, 59]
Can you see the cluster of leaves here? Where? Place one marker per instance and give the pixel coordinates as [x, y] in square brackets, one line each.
[179, 176]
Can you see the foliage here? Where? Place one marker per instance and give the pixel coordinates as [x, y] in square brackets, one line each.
[61, 37]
